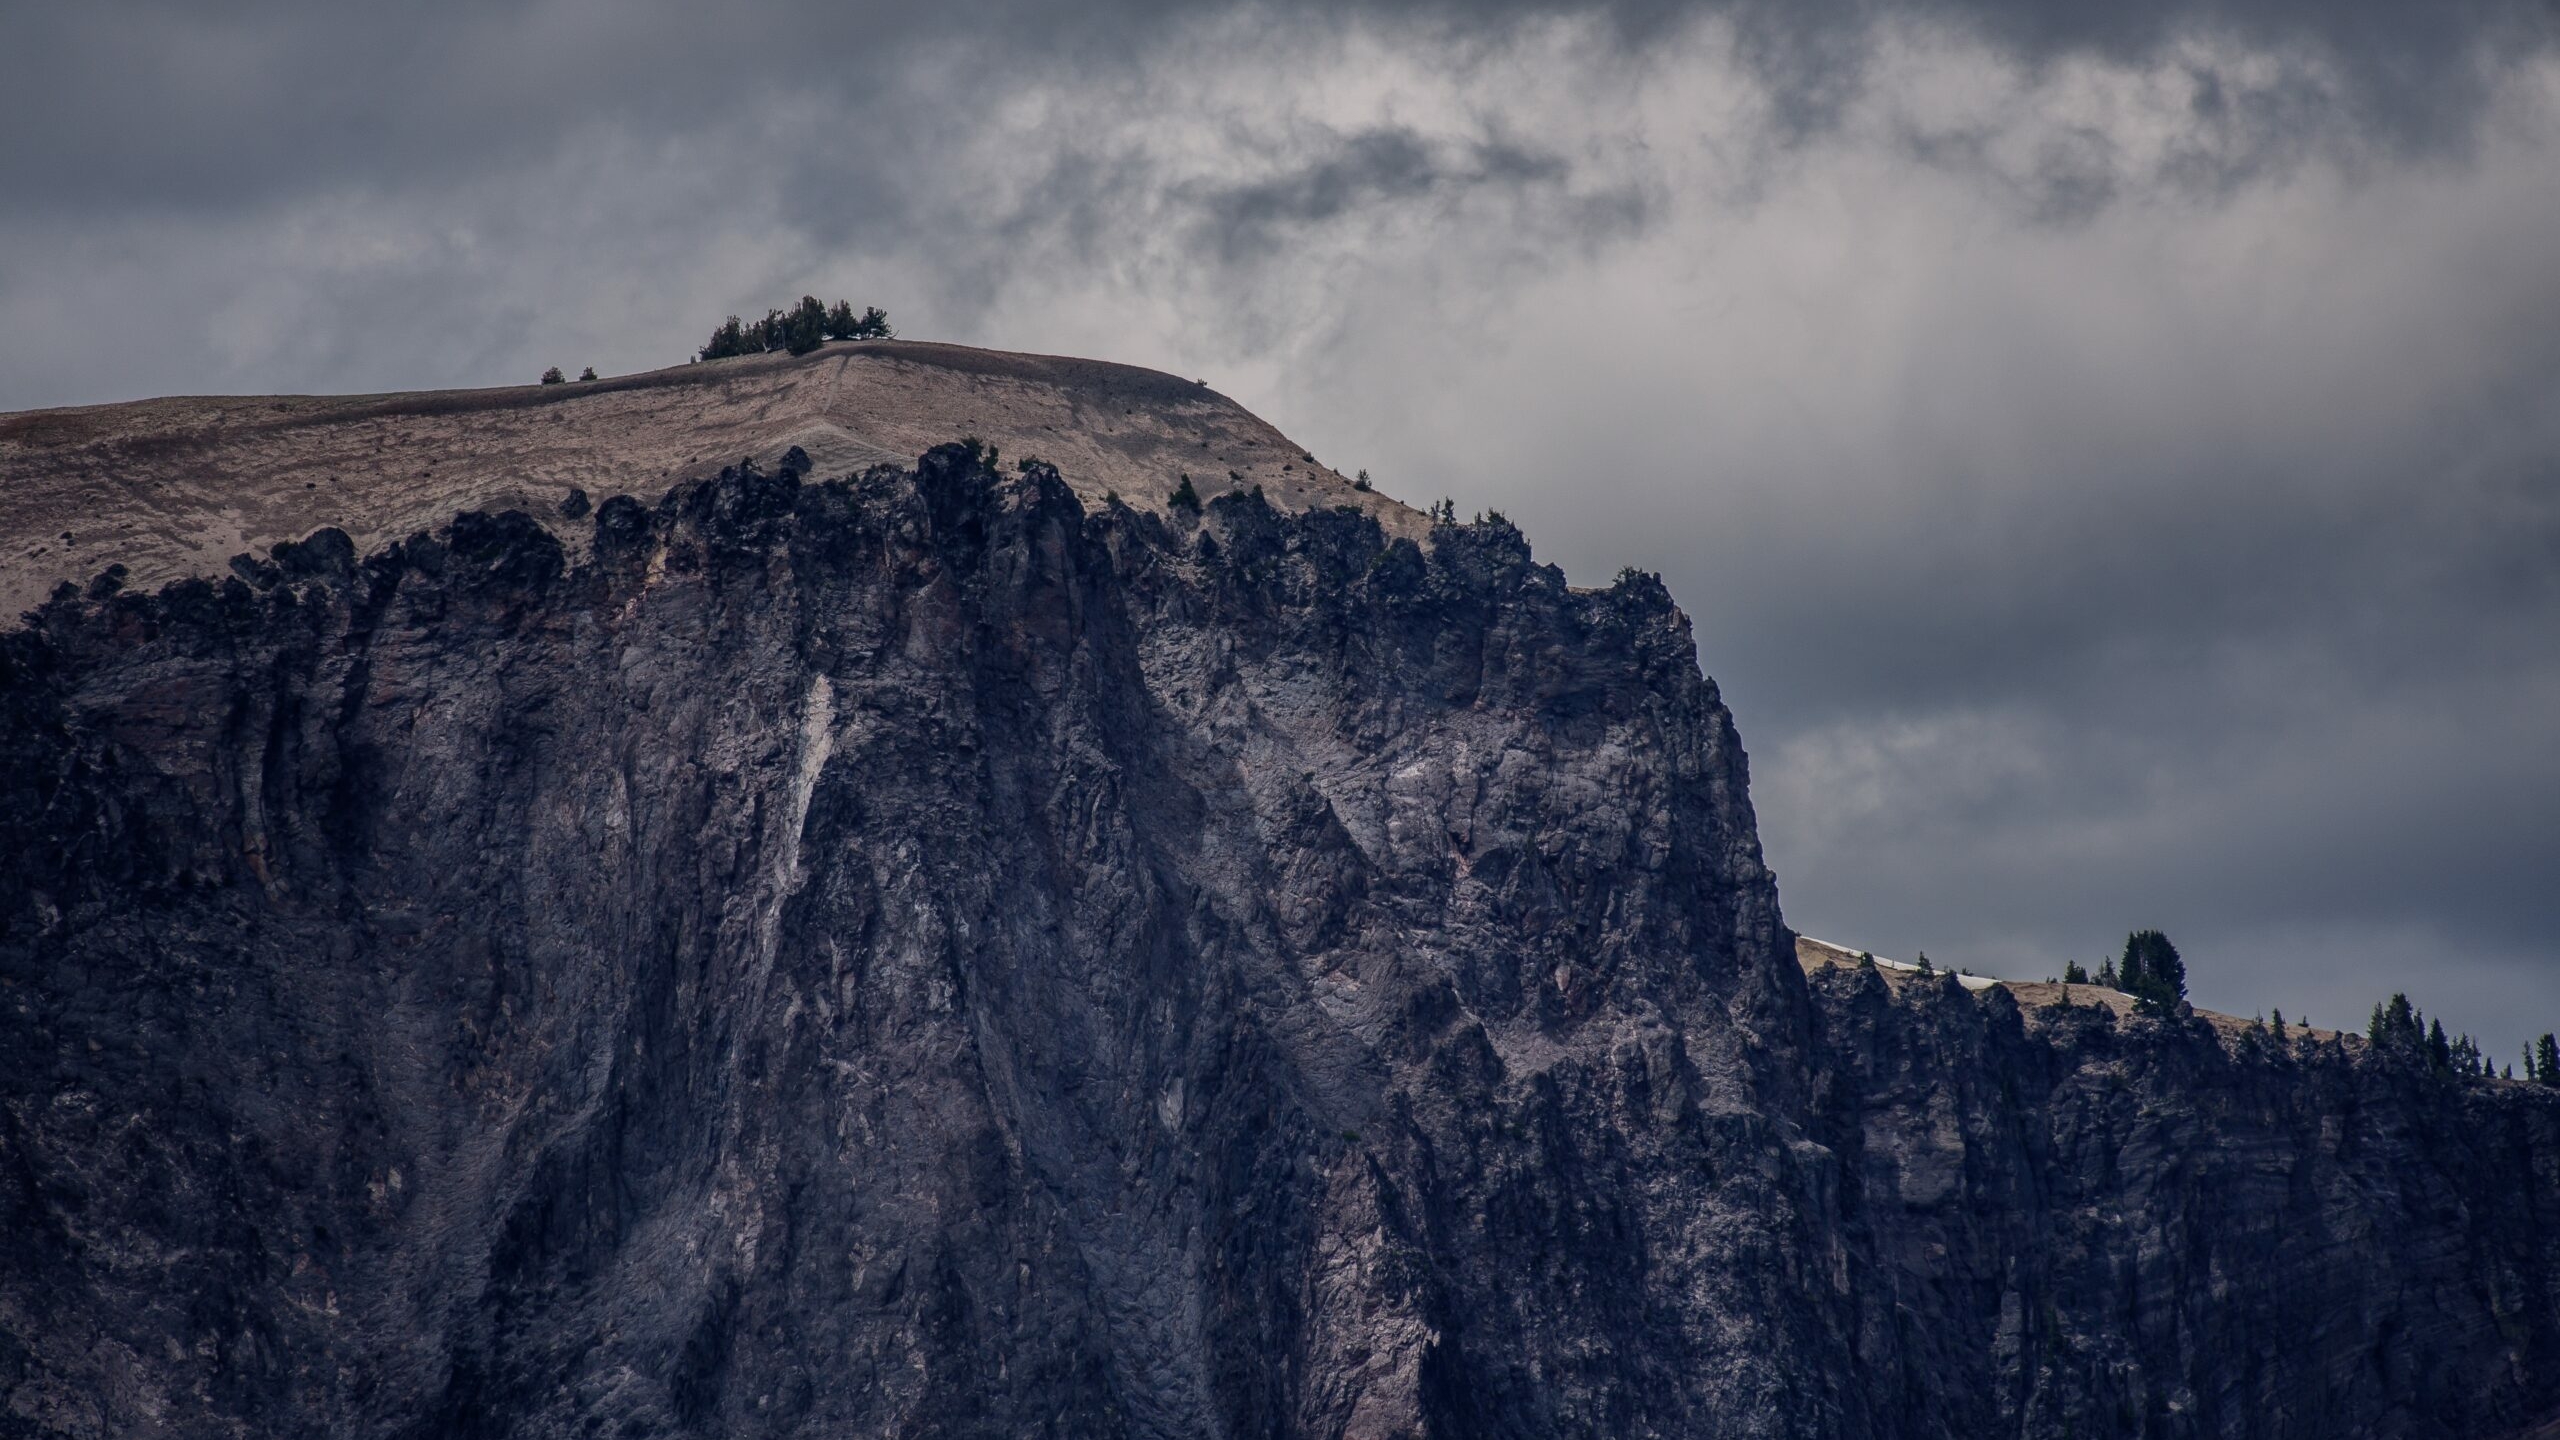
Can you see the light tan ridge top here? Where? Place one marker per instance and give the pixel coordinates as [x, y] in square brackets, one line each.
[1815, 955]
[175, 487]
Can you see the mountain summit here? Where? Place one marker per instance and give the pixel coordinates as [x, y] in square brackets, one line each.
[172, 488]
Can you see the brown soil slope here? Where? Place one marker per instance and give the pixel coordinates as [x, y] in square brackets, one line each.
[175, 487]
[1816, 955]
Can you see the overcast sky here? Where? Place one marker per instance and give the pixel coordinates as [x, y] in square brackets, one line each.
[2111, 453]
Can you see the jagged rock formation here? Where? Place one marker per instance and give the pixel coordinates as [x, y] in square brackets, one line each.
[2065, 1223]
[918, 953]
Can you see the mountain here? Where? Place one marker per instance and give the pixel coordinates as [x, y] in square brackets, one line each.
[173, 488]
[787, 941]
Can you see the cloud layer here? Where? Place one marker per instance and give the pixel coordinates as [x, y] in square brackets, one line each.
[2110, 453]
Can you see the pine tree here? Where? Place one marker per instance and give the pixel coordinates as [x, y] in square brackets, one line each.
[553, 376]
[2439, 1051]
[2398, 1028]
[2152, 973]
[587, 374]
[2546, 1059]
[1185, 498]
[2107, 975]
[730, 338]
[2073, 974]
[1925, 967]
[2465, 1057]
[2277, 1020]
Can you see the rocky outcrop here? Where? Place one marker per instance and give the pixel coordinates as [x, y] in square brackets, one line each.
[919, 954]
[906, 956]
[2063, 1223]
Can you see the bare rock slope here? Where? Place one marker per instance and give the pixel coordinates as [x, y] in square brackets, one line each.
[924, 949]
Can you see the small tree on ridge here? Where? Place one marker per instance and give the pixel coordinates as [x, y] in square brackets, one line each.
[2151, 972]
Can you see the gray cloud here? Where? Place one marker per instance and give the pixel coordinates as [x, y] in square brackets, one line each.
[147, 105]
[2108, 452]
[1383, 165]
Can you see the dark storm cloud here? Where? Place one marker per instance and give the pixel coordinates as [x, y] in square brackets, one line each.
[2416, 74]
[1383, 165]
[2109, 451]
[223, 105]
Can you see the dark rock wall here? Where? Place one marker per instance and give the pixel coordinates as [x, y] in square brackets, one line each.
[907, 956]
[2067, 1225]
[900, 957]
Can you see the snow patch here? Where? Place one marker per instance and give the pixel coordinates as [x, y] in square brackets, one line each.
[1970, 982]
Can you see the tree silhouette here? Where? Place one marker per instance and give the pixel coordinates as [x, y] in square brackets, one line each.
[2151, 972]
[2395, 1027]
[730, 338]
[802, 328]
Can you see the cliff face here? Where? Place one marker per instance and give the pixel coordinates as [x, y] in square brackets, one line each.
[906, 956]
[916, 954]
[2067, 1224]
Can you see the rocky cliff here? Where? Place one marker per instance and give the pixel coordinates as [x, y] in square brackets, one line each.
[929, 952]
[2067, 1223]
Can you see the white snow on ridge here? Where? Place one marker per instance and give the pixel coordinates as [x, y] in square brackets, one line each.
[1970, 982]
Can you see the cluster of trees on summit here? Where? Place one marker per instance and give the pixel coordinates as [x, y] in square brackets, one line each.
[2542, 1060]
[802, 328]
[2402, 1031]
[2149, 970]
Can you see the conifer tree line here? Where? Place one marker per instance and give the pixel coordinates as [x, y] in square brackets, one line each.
[2402, 1031]
[2151, 971]
[2542, 1061]
[802, 328]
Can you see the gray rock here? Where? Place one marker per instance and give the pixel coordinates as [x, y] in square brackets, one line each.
[906, 955]
[2062, 1226]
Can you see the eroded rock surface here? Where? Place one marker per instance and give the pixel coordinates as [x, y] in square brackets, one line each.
[920, 955]
[900, 956]
[2066, 1223]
